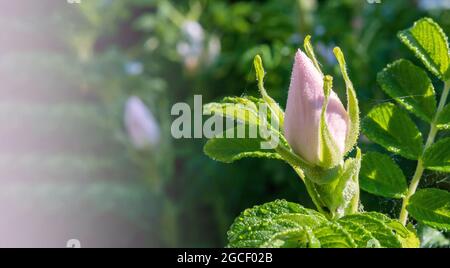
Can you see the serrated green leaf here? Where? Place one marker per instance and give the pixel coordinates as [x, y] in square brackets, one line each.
[228, 150]
[411, 240]
[365, 230]
[392, 128]
[380, 175]
[369, 231]
[333, 235]
[249, 102]
[410, 86]
[437, 156]
[275, 224]
[407, 235]
[236, 111]
[443, 121]
[431, 207]
[285, 224]
[243, 110]
[429, 43]
[292, 238]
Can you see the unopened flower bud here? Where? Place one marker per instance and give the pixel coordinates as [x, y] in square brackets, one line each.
[303, 112]
[142, 128]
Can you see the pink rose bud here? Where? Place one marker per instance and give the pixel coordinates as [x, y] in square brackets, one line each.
[303, 112]
[142, 128]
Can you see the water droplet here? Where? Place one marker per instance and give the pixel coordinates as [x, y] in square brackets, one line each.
[373, 243]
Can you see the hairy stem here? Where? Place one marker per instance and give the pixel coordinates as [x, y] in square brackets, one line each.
[419, 168]
[297, 164]
[311, 190]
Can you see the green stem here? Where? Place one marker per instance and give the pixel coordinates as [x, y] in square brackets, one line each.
[354, 207]
[297, 164]
[419, 169]
[311, 190]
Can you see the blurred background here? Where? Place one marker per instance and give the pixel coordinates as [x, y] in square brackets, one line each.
[86, 88]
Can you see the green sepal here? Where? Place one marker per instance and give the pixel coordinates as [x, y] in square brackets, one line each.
[310, 52]
[276, 112]
[341, 195]
[319, 175]
[352, 104]
[330, 155]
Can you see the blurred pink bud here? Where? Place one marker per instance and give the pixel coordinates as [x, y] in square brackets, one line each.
[191, 47]
[303, 110]
[142, 128]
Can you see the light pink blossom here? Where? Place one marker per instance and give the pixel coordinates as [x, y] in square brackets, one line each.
[142, 128]
[303, 112]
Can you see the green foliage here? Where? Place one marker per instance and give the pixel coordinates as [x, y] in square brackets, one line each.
[244, 114]
[229, 150]
[278, 223]
[429, 43]
[443, 121]
[380, 175]
[228, 146]
[431, 207]
[372, 229]
[285, 224]
[410, 86]
[437, 156]
[391, 127]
